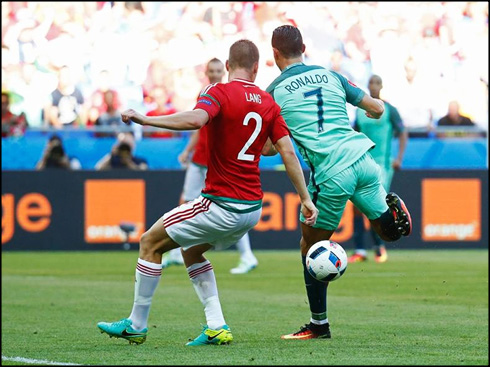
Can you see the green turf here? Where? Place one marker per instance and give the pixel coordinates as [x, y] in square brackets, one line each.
[419, 308]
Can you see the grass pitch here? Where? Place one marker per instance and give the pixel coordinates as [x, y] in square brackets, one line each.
[419, 308]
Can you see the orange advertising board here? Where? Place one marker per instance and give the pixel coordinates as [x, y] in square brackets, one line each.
[108, 203]
[282, 214]
[451, 209]
[33, 213]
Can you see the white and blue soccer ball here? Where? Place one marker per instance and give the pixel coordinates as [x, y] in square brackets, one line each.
[326, 261]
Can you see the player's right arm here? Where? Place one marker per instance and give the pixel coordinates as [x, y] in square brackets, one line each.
[354, 95]
[207, 107]
[188, 120]
[374, 107]
[293, 168]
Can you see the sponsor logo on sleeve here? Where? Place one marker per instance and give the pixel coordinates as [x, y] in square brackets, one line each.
[205, 101]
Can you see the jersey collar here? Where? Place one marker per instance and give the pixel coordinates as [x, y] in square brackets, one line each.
[292, 66]
[242, 80]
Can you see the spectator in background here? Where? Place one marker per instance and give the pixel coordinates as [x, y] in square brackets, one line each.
[414, 100]
[54, 156]
[121, 155]
[66, 108]
[98, 103]
[454, 117]
[158, 75]
[35, 87]
[162, 107]
[337, 64]
[12, 125]
[91, 36]
[111, 117]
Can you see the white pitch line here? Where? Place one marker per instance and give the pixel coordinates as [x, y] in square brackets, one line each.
[37, 361]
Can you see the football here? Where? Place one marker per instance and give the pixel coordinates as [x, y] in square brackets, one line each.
[326, 261]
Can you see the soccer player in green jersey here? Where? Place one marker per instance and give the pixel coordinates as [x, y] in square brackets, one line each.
[381, 132]
[313, 103]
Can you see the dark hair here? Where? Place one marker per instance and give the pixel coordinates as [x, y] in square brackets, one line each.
[124, 147]
[288, 41]
[55, 137]
[243, 55]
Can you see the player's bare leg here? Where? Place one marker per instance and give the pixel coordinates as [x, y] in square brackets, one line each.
[153, 243]
[311, 235]
[174, 257]
[202, 276]
[318, 327]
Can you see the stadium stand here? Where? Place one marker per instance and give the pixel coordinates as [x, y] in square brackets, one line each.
[170, 42]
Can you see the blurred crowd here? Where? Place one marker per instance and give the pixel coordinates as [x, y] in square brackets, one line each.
[72, 64]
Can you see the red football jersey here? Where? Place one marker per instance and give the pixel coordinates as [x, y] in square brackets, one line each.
[200, 155]
[241, 118]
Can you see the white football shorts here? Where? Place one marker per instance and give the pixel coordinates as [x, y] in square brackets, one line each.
[201, 221]
[194, 181]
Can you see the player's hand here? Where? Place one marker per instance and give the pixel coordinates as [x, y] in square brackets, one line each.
[310, 212]
[381, 102]
[131, 115]
[183, 157]
[396, 165]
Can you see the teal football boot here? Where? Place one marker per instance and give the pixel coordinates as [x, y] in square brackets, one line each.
[123, 329]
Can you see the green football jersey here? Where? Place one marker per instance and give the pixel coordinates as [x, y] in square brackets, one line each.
[313, 103]
[381, 132]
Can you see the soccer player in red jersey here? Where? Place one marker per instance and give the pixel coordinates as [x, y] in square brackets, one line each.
[195, 181]
[240, 119]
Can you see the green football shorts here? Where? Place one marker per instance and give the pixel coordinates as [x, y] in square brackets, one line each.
[386, 177]
[362, 183]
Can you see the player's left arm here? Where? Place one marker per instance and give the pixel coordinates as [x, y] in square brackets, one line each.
[293, 169]
[279, 137]
[402, 133]
[188, 120]
[189, 148]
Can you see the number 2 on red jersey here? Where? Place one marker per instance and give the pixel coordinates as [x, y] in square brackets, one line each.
[258, 119]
